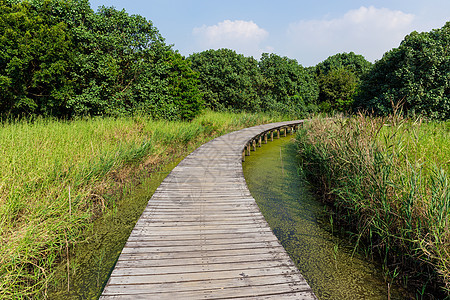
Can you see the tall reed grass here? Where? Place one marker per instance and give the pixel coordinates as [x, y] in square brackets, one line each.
[387, 182]
[55, 179]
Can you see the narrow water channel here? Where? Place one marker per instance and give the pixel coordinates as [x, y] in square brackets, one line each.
[295, 217]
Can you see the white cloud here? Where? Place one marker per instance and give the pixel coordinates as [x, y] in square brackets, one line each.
[242, 36]
[368, 31]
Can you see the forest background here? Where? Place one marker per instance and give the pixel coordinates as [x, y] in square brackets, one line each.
[62, 59]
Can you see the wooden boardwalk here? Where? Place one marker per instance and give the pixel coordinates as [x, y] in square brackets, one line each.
[202, 235]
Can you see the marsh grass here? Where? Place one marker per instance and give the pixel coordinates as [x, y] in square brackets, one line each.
[387, 181]
[56, 178]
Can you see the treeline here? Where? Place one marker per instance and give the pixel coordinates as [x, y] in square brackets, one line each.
[415, 77]
[60, 58]
[234, 82]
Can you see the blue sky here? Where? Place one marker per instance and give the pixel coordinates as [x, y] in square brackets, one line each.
[308, 31]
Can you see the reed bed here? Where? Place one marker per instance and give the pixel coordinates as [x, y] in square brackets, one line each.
[56, 178]
[387, 182]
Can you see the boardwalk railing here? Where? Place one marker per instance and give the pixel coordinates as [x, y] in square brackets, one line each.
[202, 235]
[257, 140]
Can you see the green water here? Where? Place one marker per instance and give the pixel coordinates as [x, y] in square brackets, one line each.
[298, 221]
[92, 261]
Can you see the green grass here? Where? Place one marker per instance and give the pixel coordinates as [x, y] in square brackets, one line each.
[387, 181]
[55, 178]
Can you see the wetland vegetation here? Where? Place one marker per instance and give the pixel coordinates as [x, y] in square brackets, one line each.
[386, 181]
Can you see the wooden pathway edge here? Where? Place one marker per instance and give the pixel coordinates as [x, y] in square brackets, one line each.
[202, 235]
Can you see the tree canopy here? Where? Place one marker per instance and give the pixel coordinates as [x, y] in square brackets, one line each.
[228, 80]
[35, 61]
[338, 78]
[233, 81]
[414, 76]
[61, 58]
[350, 61]
[290, 85]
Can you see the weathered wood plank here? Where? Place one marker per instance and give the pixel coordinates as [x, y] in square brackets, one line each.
[227, 293]
[259, 236]
[201, 275]
[148, 248]
[150, 263]
[201, 268]
[196, 218]
[202, 235]
[205, 255]
[148, 232]
[217, 203]
[195, 285]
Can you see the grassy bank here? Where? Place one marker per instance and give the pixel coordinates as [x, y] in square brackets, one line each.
[387, 182]
[57, 177]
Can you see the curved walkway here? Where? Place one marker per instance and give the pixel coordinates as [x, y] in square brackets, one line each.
[202, 235]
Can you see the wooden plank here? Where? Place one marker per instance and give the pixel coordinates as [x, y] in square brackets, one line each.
[202, 235]
[304, 295]
[150, 232]
[243, 207]
[165, 220]
[260, 236]
[201, 275]
[247, 213]
[200, 199]
[200, 210]
[176, 224]
[201, 268]
[205, 255]
[230, 203]
[149, 248]
[192, 193]
[227, 293]
[196, 285]
[151, 263]
[195, 217]
[203, 227]
[301, 295]
[187, 208]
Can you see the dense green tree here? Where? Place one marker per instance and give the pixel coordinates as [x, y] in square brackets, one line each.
[35, 61]
[337, 89]
[228, 80]
[289, 86]
[168, 88]
[339, 77]
[414, 76]
[124, 65]
[107, 63]
[353, 62]
[233, 81]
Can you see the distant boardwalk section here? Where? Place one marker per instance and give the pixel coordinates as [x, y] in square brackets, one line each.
[202, 235]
